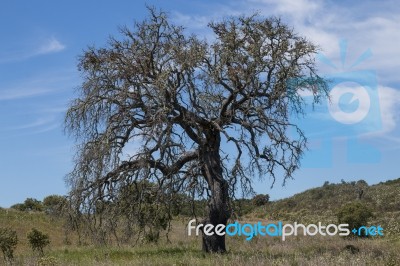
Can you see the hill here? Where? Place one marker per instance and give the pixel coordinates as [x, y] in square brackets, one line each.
[310, 206]
[322, 203]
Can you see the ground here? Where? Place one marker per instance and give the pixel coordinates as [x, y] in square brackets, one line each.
[186, 250]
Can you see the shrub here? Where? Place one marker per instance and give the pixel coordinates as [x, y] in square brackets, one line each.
[260, 199]
[53, 204]
[38, 241]
[355, 214]
[152, 236]
[8, 242]
[30, 204]
[18, 206]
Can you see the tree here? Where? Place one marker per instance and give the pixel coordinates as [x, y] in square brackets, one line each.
[38, 241]
[30, 204]
[53, 204]
[207, 116]
[360, 187]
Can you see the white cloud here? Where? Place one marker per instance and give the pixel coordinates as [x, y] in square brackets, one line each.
[367, 25]
[389, 100]
[46, 128]
[389, 104]
[40, 122]
[194, 22]
[44, 83]
[14, 94]
[47, 46]
[51, 45]
[35, 125]
[299, 9]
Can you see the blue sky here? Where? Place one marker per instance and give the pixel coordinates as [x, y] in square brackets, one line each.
[41, 41]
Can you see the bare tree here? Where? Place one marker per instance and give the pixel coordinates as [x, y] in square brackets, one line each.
[208, 115]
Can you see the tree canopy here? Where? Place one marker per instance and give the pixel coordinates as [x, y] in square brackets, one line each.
[206, 116]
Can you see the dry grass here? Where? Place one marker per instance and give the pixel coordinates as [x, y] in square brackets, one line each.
[185, 250]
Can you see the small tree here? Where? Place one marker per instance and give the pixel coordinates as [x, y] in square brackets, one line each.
[355, 214]
[30, 204]
[260, 199]
[38, 241]
[53, 204]
[360, 188]
[8, 242]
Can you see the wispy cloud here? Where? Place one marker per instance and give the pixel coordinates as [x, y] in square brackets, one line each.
[42, 84]
[34, 125]
[14, 94]
[51, 45]
[46, 46]
[37, 103]
[46, 128]
[40, 122]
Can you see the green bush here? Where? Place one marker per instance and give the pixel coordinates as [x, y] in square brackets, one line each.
[260, 199]
[30, 204]
[38, 241]
[355, 214]
[18, 206]
[54, 204]
[8, 242]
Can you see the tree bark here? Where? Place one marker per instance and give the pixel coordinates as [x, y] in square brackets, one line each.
[217, 214]
[218, 208]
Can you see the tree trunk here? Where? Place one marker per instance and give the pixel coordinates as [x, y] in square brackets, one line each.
[218, 208]
[217, 214]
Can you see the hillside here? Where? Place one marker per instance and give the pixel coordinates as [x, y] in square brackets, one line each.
[313, 205]
[322, 203]
[23, 222]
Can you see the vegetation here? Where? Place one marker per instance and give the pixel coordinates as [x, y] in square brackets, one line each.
[260, 200]
[323, 202]
[30, 204]
[8, 243]
[54, 204]
[68, 249]
[355, 214]
[38, 241]
[179, 98]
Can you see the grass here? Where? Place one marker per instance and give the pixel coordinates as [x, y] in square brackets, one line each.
[185, 250]
[299, 251]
